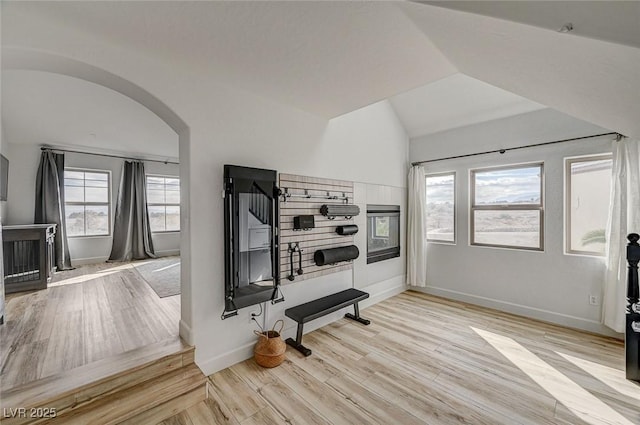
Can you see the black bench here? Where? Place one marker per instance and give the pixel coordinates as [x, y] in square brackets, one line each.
[307, 312]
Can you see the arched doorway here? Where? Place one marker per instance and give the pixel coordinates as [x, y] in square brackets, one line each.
[19, 59]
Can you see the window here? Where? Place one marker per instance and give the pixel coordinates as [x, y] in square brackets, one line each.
[507, 207]
[588, 186]
[381, 228]
[441, 207]
[163, 201]
[86, 202]
[383, 232]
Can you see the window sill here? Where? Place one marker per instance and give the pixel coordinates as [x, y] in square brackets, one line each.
[437, 242]
[508, 248]
[585, 254]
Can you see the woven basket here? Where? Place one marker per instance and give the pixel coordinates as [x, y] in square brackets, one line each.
[270, 348]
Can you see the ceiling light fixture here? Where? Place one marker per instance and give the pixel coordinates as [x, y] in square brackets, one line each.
[568, 27]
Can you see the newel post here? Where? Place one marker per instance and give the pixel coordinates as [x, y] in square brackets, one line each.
[632, 335]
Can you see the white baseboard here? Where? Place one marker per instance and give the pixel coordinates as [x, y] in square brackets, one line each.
[377, 292]
[95, 260]
[185, 332]
[523, 310]
[89, 260]
[380, 291]
[225, 360]
[168, 253]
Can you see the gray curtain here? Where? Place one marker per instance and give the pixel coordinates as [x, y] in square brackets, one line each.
[131, 228]
[50, 203]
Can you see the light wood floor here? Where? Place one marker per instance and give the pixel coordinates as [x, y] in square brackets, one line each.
[421, 361]
[86, 314]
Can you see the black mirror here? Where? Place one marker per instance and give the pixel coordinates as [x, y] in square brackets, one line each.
[252, 265]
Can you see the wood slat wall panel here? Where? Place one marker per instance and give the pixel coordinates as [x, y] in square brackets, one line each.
[310, 247]
[307, 179]
[315, 188]
[314, 204]
[315, 185]
[325, 271]
[290, 236]
[318, 224]
[329, 243]
[325, 230]
[323, 236]
[306, 211]
[307, 259]
[310, 268]
[329, 237]
[307, 255]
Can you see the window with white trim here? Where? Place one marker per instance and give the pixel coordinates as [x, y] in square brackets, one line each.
[163, 203]
[87, 202]
[507, 206]
[441, 207]
[588, 188]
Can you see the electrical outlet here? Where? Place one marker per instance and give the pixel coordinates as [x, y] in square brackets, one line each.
[593, 300]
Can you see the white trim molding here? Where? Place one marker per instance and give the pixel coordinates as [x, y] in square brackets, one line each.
[523, 310]
[377, 292]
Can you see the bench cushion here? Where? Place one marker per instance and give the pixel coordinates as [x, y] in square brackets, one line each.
[306, 312]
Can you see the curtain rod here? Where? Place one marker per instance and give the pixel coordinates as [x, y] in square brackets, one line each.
[45, 148]
[501, 151]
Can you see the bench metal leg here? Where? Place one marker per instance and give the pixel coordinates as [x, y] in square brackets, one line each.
[297, 344]
[356, 316]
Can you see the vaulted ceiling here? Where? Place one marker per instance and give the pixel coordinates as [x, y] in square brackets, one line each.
[612, 20]
[329, 58]
[594, 80]
[456, 101]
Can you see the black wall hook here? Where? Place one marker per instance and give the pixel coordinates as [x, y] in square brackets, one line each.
[294, 247]
[299, 271]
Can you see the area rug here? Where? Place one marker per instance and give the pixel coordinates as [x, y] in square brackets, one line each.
[162, 275]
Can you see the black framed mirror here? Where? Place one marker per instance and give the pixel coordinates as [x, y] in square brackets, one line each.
[251, 215]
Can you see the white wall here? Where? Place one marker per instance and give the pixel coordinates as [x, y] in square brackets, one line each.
[519, 130]
[229, 126]
[3, 205]
[3, 148]
[368, 146]
[24, 160]
[549, 285]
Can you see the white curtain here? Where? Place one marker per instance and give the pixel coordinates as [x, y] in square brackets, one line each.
[416, 229]
[624, 218]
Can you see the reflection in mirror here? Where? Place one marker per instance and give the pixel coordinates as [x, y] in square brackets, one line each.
[251, 239]
[255, 241]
